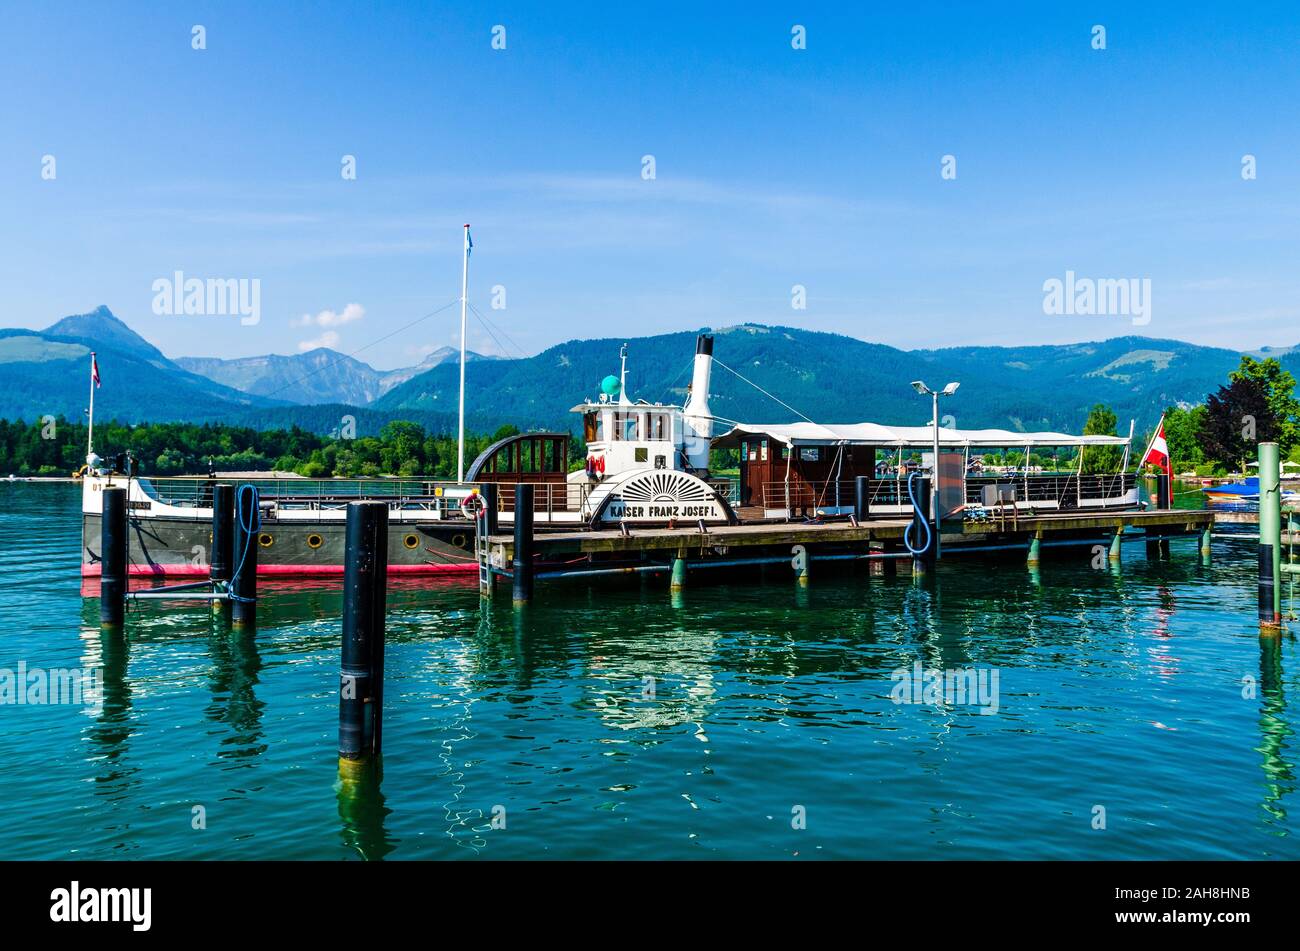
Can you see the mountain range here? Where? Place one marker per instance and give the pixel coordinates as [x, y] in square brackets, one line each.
[321, 375]
[827, 377]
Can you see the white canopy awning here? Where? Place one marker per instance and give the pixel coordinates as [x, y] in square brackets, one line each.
[874, 434]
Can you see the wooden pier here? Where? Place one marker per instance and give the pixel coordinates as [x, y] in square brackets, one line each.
[571, 554]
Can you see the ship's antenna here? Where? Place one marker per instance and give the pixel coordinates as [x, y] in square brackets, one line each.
[464, 302]
[622, 375]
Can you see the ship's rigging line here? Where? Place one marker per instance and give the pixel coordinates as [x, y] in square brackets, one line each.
[493, 330]
[686, 366]
[334, 363]
[761, 390]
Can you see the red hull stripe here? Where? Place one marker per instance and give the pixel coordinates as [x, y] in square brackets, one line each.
[182, 571]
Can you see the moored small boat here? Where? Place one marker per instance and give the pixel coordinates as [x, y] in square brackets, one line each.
[1240, 493]
[1247, 490]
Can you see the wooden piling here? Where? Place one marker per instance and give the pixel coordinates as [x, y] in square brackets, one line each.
[677, 580]
[361, 674]
[1117, 545]
[114, 528]
[243, 578]
[522, 566]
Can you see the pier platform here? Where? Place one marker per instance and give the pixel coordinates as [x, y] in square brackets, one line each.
[567, 554]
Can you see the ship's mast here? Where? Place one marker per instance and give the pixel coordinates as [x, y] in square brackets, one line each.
[90, 428]
[464, 302]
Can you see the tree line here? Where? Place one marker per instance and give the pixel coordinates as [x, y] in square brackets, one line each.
[55, 446]
[1257, 404]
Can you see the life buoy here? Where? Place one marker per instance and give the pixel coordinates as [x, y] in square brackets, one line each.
[469, 509]
[595, 466]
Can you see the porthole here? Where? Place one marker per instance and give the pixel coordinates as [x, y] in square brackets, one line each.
[459, 540]
[266, 540]
[411, 541]
[314, 540]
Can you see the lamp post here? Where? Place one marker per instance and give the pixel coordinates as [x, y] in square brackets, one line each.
[924, 390]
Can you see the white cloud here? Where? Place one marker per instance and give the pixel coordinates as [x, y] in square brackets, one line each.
[328, 339]
[328, 318]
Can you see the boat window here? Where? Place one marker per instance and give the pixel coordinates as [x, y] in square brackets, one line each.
[810, 454]
[763, 449]
[625, 427]
[642, 454]
[591, 427]
[658, 427]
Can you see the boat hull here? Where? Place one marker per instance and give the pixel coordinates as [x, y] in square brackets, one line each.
[178, 547]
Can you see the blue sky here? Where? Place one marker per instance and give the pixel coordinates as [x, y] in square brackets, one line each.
[774, 167]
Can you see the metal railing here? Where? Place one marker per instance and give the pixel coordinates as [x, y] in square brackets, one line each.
[548, 497]
[314, 494]
[1065, 489]
[830, 493]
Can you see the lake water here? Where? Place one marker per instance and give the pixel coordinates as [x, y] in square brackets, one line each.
[1144, 691]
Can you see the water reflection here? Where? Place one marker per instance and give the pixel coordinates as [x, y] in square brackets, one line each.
[236, 663]
[363, 811]
[108, 736]
[593, 688]
[1275, 730]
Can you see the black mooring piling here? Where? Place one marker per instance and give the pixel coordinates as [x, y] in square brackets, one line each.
[862, 498]
[243, 579]
[491, 501]
[223, 532]
[1163, 501]
[361, 675]
[522, 566]
[113, 538]
[925, 558]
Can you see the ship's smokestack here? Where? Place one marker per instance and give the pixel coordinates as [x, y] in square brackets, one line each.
[697, 419]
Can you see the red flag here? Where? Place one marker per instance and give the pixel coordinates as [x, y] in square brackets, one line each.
[1157, 453]
[94, 370]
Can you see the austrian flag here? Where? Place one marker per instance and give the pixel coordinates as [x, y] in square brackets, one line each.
[94, 370]
[1158, 452]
